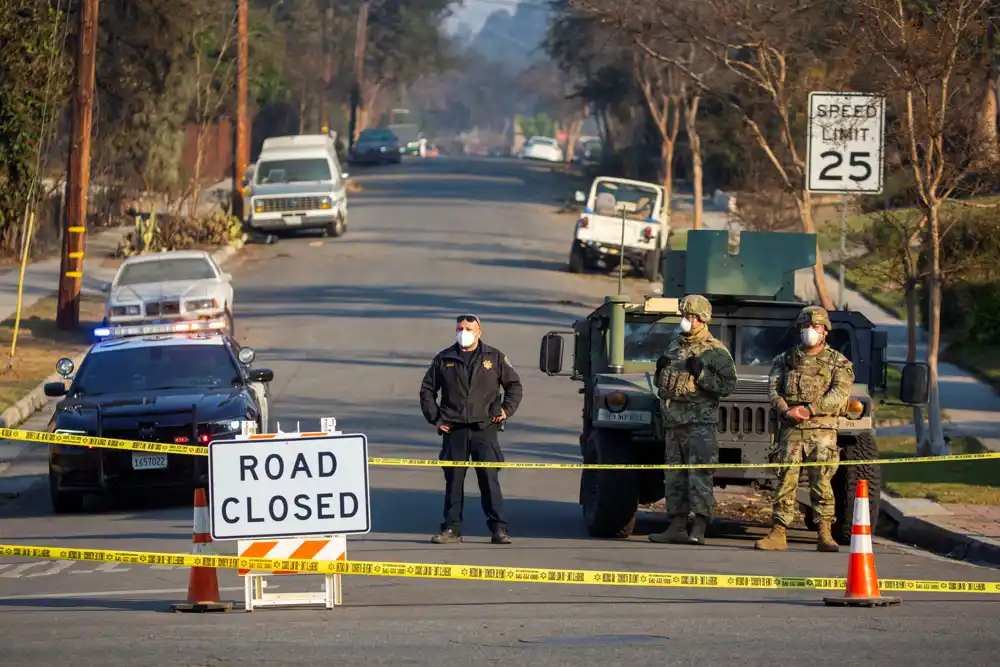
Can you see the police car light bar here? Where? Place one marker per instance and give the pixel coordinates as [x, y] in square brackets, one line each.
[152, 329]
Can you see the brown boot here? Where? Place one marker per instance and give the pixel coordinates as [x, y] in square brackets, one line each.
[676, 534]
[698, 530]
[825, 541]
[775, 540]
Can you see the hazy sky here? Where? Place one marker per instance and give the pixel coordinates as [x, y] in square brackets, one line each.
[475, 12]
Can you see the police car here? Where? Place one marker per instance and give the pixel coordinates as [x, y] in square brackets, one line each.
[186, 383]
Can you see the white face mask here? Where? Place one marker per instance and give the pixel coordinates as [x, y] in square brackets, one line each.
[810, 337]
[465, 338]
[686, 325]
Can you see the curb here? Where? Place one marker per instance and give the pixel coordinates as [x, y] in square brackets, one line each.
[923, 532]
[35, 400]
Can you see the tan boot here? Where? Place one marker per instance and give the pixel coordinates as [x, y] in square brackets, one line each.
[698, 530]
[775, 540]
[825, 541]
[676, 534]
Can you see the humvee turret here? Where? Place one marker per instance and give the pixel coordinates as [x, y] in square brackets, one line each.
[751, 288]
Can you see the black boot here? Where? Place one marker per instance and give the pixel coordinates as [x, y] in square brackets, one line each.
[500, 536]
[446, 536]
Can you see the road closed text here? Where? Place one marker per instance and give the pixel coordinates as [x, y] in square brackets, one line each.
[289, 487]
[324, 505]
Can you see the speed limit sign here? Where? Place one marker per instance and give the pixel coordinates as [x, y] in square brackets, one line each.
[846, 143]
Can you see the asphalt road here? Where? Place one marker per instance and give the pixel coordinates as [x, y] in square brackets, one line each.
[349, 325]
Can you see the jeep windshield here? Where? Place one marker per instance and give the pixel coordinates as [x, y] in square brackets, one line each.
[638, 202]
[302, 170]
[647, 341]
[760, 344]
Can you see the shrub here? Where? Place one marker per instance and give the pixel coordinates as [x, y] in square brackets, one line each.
[164, 233]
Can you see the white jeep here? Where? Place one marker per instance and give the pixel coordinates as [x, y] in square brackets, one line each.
[612, 204]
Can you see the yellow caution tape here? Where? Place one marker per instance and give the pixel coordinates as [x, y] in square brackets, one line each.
[491, 573]
[70, 439]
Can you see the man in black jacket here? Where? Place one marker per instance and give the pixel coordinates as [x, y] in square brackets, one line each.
[469, 376]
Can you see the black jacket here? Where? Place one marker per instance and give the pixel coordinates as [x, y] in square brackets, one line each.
[463, 402]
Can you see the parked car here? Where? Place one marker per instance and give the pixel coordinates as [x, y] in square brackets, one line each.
[542, 148]
[169, 287]
[376, 146]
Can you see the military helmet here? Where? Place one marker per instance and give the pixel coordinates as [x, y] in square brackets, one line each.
[813, 315]
[697, 305]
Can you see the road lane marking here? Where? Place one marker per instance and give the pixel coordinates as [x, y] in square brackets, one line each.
[16, 572]
[57, 567]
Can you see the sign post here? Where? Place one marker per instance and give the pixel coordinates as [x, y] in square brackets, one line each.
[290, 495]
[846, 151]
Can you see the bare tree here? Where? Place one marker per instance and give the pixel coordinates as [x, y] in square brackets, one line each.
[774, 52]
[663, 88]
[931, 64]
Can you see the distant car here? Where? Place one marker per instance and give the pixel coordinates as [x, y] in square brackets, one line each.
[542, 148]
[376, 146]
[168, 287]
[154, 383]
[411, 139]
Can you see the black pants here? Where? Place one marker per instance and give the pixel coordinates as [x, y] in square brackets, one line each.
[463, 443]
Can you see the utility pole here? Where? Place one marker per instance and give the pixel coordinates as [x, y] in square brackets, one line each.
[324, 101]
[78, 176]
[241, 156]
[359, 69]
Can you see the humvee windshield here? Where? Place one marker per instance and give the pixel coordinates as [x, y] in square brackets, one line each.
[750, 344]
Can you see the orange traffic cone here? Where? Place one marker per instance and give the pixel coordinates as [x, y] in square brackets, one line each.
[862, 580]
[203, 586]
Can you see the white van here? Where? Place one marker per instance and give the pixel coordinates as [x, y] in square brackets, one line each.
[298, 183]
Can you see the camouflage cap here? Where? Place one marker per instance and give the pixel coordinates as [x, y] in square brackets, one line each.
[813, 315]
[696, 304]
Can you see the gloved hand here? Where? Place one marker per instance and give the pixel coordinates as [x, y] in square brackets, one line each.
[661, 363]
[695, 365]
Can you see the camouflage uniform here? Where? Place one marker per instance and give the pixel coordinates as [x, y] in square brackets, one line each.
[689, 414]
[822, 382]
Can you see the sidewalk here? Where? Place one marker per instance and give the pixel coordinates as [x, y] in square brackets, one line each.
[41, 279]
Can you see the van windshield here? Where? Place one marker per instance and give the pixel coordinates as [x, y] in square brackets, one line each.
[301, 170]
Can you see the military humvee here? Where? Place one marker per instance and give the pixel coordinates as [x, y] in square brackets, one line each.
[751, 289]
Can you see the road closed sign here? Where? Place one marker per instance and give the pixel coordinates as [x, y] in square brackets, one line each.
[289, 487]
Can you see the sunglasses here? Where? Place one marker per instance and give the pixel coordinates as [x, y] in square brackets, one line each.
[467, 318]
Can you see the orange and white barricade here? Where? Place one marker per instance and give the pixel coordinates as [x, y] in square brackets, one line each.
[332, 547]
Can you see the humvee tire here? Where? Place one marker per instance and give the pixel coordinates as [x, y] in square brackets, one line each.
[862, 447]
[610, 498]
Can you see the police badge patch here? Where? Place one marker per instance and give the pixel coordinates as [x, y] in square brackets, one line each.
[487, 364]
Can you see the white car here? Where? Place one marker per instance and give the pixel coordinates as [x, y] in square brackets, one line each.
[542, 148]
[169, 287]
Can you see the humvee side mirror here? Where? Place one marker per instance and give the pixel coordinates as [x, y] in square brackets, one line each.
[54, 389]
[914, 384]
[580, 197]
[550, 356]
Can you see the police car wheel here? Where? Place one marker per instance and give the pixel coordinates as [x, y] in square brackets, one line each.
[63, 502]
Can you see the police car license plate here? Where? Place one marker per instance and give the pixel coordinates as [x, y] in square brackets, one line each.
[627, 416]
[293, 219]
[143, 461]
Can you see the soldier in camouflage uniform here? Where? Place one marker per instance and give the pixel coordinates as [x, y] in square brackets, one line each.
[692, 375]
[810, 386]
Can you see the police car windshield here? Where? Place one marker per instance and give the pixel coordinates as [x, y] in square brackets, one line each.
[187, 268]
[138, 369]
[647, 341]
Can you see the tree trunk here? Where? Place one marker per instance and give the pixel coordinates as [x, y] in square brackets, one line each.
[934, 443]
[804, 204]
[667, 156]
[694, 142]
[302, 113]
[572, 135]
